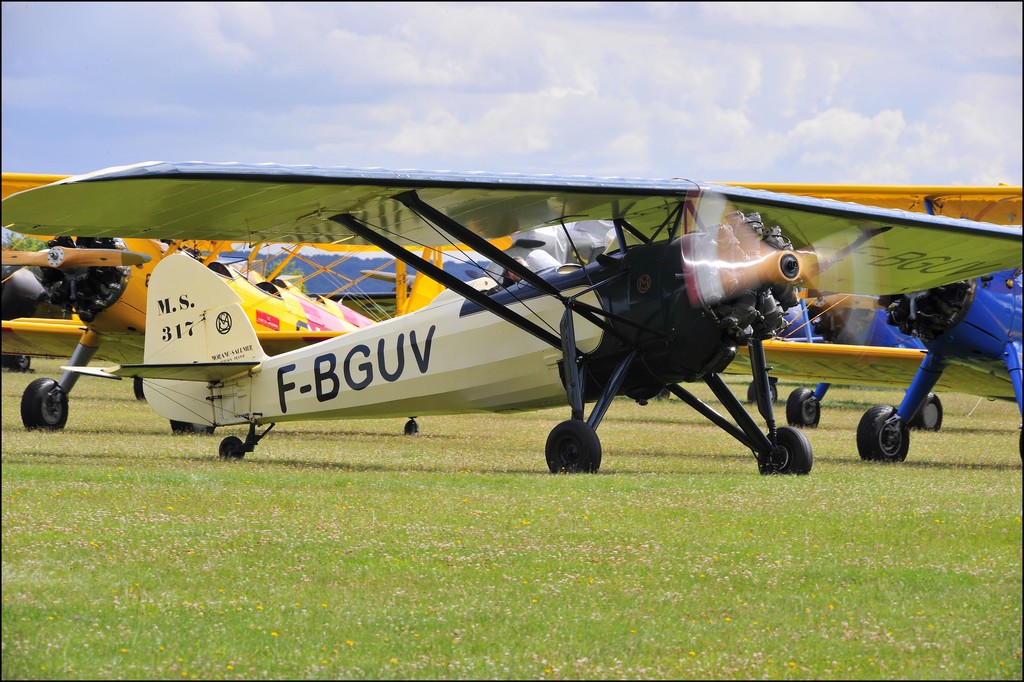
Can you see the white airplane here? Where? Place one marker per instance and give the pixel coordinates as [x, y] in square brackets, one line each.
[695, 272]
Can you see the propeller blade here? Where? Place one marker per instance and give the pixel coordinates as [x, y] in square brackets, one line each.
[65, 258]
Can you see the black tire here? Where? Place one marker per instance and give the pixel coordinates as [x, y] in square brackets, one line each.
[232, 447]
[881, 436]
[191, 429]
[140, 393]
[573, 447]
[411, 427]
[929, 417]
[44, 405]
[803, 409]
[794, 455]
[752, 390]
[17, 363]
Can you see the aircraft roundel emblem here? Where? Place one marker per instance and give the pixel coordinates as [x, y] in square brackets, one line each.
[643, 285]
[223, 323]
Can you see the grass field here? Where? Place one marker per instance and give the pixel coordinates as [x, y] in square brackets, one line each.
[347, 550]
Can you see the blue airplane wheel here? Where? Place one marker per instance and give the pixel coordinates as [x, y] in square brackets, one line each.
[44, 405]
[929, 417]
[573, 447]
[793, 454]
[802, 408]
[232, 447]
[882, 436]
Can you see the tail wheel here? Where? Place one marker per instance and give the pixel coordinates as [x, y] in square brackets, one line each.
[573, 447]
[802, 408]
[929, 417]
[44, 405]
[793, 454]
[882, 435]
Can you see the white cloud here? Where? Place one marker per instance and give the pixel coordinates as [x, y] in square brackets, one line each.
[787, 92]
[799, 15]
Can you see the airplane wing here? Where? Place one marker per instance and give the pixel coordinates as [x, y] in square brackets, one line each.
[870, 366]
[37, 337]
[860, 249]
[40, 337]
[999, 204]
[277, 342]
[19, 182]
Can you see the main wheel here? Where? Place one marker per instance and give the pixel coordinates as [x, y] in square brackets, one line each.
[44, 405]
[232, 447]
[752, 390]
[929, 417]
[802, 408]
[412, 427]
[140, 393]
[883, 436]
[573, 447]
[191, 429]
[17, 363]
[793, 454]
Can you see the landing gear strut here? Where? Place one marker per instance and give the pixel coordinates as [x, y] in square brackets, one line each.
[234, 447]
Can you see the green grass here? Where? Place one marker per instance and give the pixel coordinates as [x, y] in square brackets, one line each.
[347, 550]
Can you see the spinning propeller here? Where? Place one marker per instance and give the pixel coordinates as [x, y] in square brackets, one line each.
[740, 270]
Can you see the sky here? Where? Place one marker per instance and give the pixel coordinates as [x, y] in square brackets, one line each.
[804, 92]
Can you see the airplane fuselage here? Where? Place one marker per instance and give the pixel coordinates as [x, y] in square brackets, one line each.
[453, 356]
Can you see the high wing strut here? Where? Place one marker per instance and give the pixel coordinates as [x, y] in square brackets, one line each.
[447, 279]
[475, 242]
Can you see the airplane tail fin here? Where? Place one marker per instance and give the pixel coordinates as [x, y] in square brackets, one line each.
[194, 317]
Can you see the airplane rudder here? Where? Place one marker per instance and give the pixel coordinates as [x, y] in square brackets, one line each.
[193, 315]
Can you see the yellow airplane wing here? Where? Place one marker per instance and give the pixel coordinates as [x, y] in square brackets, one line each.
[999, 204]
[19, 182]
[44, 338]
[36, 337]
[869, 366]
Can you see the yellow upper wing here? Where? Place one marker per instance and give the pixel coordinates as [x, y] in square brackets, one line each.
[19, 182]
[999, 204]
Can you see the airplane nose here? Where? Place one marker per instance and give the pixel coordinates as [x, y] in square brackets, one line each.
[789, 266]
[776, 267]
